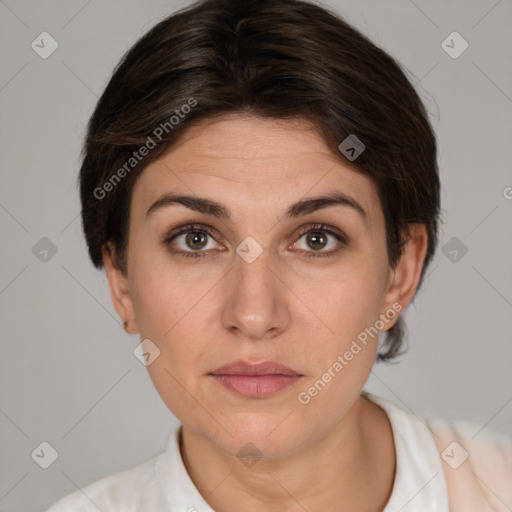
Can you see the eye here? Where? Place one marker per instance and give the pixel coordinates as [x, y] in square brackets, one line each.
[191, 240]
[316, 237]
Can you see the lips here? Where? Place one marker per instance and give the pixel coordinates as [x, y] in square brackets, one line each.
[255, 380]
[246, 368]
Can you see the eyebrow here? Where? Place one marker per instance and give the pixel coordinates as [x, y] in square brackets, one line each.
[298, 209]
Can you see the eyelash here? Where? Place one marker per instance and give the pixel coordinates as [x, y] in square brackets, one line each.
[204, 228]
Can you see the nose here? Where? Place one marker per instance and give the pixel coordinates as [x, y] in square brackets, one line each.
[257, 303]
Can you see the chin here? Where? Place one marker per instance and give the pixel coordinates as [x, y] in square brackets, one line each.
[264, 436]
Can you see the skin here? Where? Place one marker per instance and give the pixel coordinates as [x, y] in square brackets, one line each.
[336, 452]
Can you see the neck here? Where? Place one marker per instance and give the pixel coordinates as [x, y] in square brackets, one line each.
[351, 468]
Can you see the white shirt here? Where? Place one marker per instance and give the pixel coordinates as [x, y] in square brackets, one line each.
[426, 459]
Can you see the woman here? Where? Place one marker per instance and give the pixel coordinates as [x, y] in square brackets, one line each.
[260, 184]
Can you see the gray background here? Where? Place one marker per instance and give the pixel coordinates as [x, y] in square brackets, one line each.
[68, 374]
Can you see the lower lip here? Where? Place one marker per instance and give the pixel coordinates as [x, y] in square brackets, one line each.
[256, 386]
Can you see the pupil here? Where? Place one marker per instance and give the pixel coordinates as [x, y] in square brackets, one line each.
[314, 237]
[195, 238]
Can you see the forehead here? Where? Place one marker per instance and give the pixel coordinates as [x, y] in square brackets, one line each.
[254, 165]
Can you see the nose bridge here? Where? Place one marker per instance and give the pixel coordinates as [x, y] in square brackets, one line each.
[252, 273]
[256, 302]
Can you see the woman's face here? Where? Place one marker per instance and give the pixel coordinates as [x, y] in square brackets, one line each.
[266, 284]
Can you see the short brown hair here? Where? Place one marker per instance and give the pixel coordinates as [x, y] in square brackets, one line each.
[278, 59]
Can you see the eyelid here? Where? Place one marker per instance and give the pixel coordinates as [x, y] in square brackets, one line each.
[187, 228]
[193, 226]
[338, 233]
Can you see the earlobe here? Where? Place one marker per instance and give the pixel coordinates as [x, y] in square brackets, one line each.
[405, 277]
[119, 290]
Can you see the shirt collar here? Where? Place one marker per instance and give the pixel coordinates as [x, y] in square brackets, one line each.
[177, 489]
[419, 477]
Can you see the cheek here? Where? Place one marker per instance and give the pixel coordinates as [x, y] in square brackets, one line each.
[342, 358]
[171, 310]
[156, 290]
[167, 312]
[351, 302]
[344, 355]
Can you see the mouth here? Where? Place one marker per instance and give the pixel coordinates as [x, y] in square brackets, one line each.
[255, 380]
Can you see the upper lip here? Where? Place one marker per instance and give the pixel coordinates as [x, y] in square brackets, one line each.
[246, 368]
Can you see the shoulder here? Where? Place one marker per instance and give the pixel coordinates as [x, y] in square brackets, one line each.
[477, 463]
[130, 490]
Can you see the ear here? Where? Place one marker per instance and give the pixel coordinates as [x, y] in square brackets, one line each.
[405, 277]
[119, 291]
